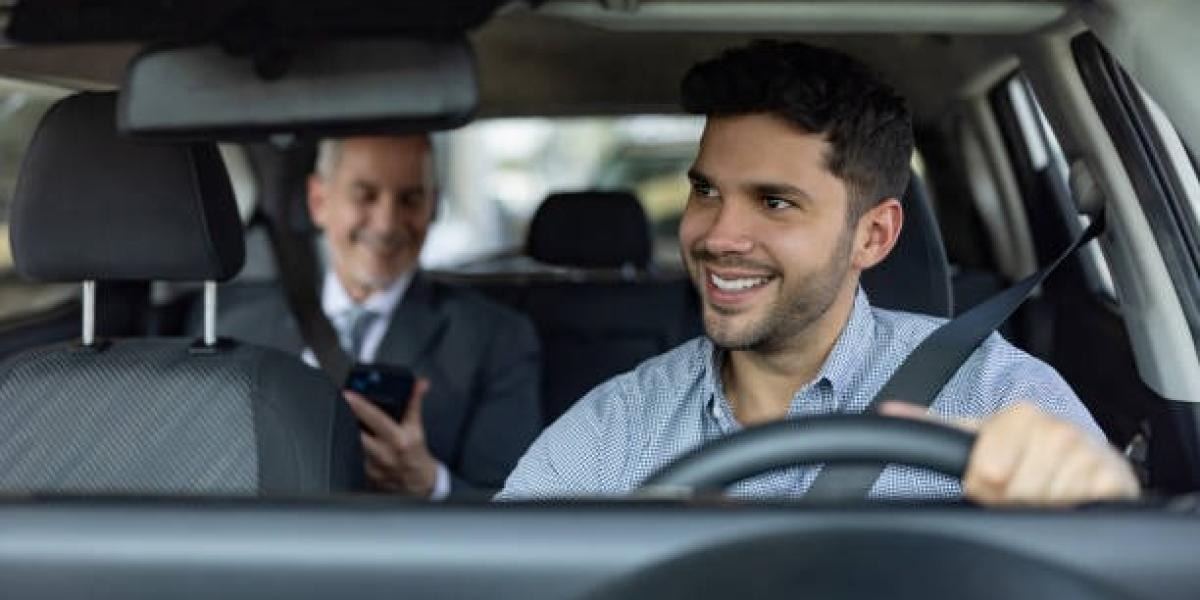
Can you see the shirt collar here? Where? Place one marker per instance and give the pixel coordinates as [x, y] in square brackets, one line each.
[844, 362]
[336, 301]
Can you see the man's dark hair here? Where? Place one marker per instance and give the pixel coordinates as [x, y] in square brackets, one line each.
[820, 91]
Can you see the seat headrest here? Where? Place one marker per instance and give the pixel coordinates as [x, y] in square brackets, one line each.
[590, 229]
[915, 277]
[91, 205]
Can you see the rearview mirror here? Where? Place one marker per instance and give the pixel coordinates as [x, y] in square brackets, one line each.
[329, 88]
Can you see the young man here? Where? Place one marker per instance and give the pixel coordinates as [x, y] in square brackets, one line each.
[477, 408]
[794, 194]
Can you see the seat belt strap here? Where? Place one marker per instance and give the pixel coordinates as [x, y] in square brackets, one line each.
[297, 265]
[921, 377]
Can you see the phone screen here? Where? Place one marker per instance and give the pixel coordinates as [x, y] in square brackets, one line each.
[386, 386]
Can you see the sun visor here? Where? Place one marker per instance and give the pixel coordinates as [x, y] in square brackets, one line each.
[336, 87]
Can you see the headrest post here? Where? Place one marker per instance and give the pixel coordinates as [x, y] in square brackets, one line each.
[89, 313]
[210, 313]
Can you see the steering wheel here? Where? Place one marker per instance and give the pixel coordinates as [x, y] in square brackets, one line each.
[831, 439]
[886, 560]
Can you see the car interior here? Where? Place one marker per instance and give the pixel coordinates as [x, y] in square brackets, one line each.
[156, 148]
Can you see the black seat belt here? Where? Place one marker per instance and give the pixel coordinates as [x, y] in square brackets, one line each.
[279, 169]
[297, 265]
[921, 377]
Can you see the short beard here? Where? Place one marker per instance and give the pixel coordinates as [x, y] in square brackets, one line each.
[788, 320]
[370, 282]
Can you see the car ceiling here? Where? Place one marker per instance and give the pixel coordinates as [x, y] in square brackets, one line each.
[579, 58]
[533, 64]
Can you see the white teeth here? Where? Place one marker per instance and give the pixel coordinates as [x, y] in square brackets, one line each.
[735, 285]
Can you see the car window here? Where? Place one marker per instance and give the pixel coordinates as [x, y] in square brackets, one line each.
[1045, 155]
[1157, 161]
[21, 107]
[496, 172]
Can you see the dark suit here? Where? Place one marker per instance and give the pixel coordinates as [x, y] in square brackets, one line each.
[482, 360]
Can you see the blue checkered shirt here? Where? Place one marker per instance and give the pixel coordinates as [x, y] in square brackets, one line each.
[627, 428]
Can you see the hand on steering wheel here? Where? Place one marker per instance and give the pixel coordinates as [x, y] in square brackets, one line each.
[1021, 455]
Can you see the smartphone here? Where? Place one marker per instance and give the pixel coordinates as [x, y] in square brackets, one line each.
[386, 386]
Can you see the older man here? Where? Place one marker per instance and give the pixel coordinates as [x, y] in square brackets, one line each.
[475, 409]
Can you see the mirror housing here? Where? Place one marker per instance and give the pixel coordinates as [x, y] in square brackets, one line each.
[328, 88]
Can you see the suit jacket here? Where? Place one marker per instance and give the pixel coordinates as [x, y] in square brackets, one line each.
[482, 359]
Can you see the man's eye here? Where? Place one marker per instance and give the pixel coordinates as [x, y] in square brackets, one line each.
[413, 199]
[703, 189]
[362, 195]
[776, 203]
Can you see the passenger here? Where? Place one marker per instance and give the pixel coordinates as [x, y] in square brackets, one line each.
[794, 194]
[476, 408]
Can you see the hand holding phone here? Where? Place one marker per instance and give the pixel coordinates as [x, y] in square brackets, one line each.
[395, 453]
[387, 386]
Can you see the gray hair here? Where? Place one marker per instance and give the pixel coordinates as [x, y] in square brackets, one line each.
[328, 153]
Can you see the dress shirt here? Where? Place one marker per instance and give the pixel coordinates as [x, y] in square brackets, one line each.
[627, 428]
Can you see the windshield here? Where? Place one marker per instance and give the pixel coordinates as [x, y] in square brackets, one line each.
[650, 241]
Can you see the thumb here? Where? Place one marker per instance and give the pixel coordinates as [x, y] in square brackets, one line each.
[413, 413]
[904, 410]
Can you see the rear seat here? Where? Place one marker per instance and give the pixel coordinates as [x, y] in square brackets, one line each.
[589, 288]
[600, 308]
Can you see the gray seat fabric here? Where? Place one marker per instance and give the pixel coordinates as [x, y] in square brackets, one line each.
[151, 416]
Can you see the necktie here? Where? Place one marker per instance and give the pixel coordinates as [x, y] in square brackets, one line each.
[356, 321]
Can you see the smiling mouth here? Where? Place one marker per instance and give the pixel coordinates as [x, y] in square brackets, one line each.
[737, 284]
[382, 248]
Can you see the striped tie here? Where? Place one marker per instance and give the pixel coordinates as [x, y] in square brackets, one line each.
[356, 320]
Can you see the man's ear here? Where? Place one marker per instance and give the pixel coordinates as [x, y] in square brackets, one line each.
[876, 233]
[317, 200]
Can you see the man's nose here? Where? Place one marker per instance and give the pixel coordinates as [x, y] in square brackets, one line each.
[385, 216]
[729, 232]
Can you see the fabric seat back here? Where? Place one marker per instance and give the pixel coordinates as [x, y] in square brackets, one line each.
[151, 416]
[915, 277]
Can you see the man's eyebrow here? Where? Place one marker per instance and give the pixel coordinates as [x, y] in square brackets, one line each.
[778, 189]
[758, 188]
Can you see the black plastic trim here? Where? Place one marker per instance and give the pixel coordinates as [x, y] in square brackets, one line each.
[238, 24]
[194, 548]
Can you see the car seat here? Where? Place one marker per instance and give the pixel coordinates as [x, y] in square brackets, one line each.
[154, 415]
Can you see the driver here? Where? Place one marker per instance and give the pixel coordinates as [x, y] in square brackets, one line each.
[794, 193]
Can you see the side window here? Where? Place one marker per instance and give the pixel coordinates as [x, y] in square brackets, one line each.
[1044, 158]
[21, 107]
[1161, 167]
